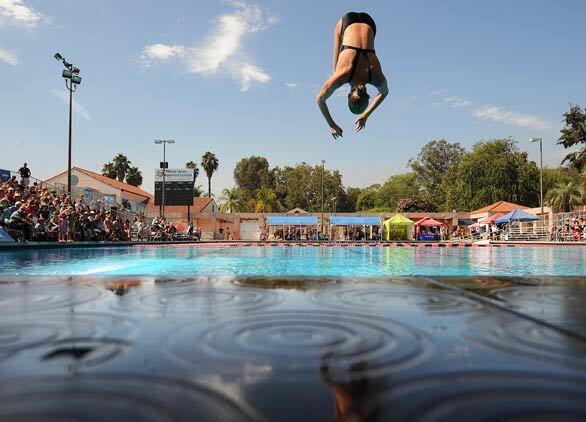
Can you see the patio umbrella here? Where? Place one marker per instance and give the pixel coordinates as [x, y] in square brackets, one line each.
[517, 215]
[491, 219]
[429, 222]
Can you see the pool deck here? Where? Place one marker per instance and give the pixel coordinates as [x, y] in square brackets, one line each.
[226, 348]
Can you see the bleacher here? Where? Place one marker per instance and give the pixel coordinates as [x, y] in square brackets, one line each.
[534, 234]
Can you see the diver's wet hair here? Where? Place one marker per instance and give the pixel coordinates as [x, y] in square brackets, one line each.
[358, 99]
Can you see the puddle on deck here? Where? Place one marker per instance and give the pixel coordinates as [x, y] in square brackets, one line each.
[290, 349]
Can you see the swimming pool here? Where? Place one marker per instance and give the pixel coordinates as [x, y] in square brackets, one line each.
[295, 261]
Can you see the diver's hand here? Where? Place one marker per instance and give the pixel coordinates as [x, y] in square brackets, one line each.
[360, 123]
[336, 131]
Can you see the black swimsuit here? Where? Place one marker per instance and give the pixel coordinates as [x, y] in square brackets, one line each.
[347, 20]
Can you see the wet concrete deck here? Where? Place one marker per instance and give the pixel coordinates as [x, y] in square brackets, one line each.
[235, 349]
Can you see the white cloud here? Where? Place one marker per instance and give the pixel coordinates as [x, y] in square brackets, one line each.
[8, 56]
[512, 118]
[292, 84]
[454, 102]
[250, 73]
[163, 52]
[17, 13]
[219, 51]
[77, 107]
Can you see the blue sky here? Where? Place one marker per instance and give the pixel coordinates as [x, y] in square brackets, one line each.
[240, 78]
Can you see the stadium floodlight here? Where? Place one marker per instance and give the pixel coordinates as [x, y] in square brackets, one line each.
[72, 80]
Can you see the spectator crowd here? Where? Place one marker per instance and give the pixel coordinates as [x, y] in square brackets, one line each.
[30, 212]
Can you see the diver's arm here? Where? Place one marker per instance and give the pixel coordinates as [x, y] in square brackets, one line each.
[330, 86]
[383, 91]
[337, 44]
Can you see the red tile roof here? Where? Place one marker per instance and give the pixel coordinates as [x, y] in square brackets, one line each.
[500, 206]
[110, 182]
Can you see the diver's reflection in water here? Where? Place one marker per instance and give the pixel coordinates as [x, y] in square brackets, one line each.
[351, 395]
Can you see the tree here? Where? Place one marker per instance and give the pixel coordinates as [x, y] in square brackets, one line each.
[197, 191]
[366, 200]
[397, 187]
[193, 165]
[493, 171]
[266, 201]
[564, 197]
[412, 205]
[300, 186]
[108, 170]
[134, 176]
[574, 134]
[252, 174]
[431, 166]
[231, 200]
[210, 164]
[121, 165]
[349, 205]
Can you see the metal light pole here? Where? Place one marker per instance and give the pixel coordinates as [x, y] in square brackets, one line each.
[323, 162]
[540, 140]
[164, 166]
[72, 80]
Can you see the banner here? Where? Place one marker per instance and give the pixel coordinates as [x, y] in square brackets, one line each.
[4, 175]
[174, 175]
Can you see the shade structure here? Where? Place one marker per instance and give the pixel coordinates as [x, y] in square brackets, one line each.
[354, 221]
[491, 219]
[292, 220]
[398, 220]
[428, 222]
[398, 227]
[516, 215]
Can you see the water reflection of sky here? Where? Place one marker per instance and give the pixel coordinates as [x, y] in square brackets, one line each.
[312, 261]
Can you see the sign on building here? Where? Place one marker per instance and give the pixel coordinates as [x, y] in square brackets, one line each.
[178, 186]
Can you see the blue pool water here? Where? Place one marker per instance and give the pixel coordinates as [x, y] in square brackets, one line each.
[308, 261]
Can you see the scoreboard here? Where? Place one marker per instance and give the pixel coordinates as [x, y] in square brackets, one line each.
[178, 186]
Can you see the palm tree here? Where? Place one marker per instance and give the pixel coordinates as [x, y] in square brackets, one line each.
[108, 170]
[197, 191]
[209, 163]
[564, 197]
[231, 200]
[121, 165]
[134, 176]
[266, 201]
[193, 165]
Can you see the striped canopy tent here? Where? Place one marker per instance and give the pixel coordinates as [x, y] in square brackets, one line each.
[398, 227]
